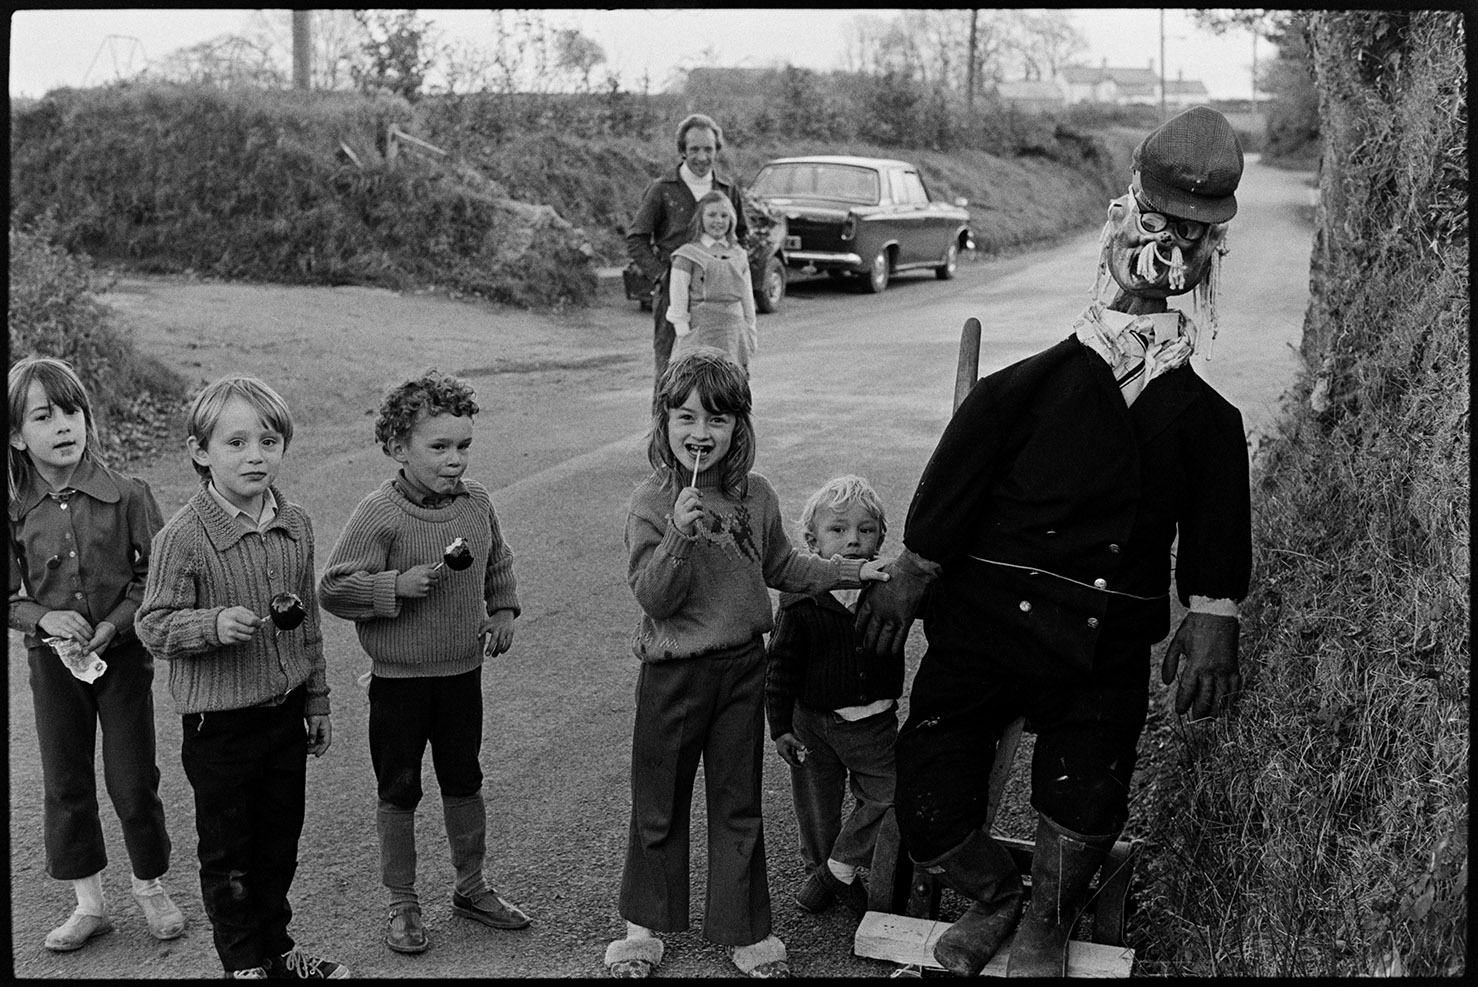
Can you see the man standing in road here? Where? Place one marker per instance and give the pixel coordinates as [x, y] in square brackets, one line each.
[661, 224]
[1043, 528]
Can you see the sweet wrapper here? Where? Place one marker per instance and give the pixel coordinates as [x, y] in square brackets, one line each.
[85, 666]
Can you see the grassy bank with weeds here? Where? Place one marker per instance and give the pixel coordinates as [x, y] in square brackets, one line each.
[1323, 830]
[528, 199]
[54, 310]
[278, 186]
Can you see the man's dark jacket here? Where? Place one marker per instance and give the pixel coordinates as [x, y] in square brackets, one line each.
[665, 212]
[1074, 500]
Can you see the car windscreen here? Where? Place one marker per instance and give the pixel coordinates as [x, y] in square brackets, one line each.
[828, 181]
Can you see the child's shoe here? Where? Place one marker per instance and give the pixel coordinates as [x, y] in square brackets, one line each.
[489, 908]
[764, 959]
[853, 895]
[814, 895]
[250, 973]
[165, 919]
[298, 965]
[406, 932]
[76, 931]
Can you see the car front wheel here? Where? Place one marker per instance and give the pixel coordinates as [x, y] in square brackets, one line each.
[877, 274]
[946, 270]
[772, 287]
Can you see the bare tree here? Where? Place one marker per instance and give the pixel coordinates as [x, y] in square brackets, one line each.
[228, 60]
[1043, 41]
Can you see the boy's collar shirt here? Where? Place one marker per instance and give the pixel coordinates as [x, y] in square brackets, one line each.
[434, 500]
[241, 518]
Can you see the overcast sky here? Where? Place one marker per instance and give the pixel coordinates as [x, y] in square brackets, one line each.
[51, 48]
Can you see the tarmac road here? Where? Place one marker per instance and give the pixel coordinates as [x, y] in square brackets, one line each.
[843, 382]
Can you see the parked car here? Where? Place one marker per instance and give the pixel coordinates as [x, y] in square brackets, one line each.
[766, 242]
[872, 217]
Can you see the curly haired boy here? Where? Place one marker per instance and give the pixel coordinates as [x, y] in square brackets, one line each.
[427, 615]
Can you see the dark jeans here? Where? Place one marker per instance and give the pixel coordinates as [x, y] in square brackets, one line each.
[837, 750]
[687, 709]
[663, 334]
[407, 714]
[68, 712]
[249, 769]
[1087, 730]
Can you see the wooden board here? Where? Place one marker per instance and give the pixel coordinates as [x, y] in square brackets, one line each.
[910, 941]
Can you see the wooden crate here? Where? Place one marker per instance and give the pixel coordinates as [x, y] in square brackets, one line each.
[910, 942]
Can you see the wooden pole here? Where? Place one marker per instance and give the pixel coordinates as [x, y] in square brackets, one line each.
[302, 47]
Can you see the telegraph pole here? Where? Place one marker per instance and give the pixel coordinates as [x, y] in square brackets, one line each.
[302, 46]
[970, 67]
[1162, 63]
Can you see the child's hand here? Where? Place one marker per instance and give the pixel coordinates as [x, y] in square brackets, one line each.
[497, 633]
[873, 571]
[66, 623]
[320, 734]
[791, 750]
[417, 581]
[102, 636]
[236, 625]
[687, 510]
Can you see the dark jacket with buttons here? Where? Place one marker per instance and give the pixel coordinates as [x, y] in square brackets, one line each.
[814, 660]
[1053, 508]
[661, 222]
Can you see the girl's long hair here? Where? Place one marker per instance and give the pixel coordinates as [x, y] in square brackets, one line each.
[695, 225]
[65, 390]
[724, 389]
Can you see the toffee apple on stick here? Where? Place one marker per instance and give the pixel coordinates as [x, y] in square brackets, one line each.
[286, 611]
[457, 556]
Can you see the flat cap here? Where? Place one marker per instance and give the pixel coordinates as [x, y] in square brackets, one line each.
[1190, 166]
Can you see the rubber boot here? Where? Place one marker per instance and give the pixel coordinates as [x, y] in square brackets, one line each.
[1063, 865]
[983, 871]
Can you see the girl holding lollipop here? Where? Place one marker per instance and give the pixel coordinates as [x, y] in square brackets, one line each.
[706, 540]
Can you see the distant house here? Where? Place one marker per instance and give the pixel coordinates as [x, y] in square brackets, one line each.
[1181, 92]
[1127, 86]
[1031, 95]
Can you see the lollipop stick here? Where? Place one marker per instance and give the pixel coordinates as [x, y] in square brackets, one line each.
[438, 565]
[696, 460]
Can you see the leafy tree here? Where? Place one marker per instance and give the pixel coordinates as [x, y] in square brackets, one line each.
[398, 53]
[575, 52]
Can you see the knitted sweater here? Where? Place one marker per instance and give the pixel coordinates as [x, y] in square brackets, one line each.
[203, 563]
[387, 534]
[706, 592]
[815, 660]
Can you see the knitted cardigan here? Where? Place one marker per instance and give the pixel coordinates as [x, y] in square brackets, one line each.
[388, 534]
[202, 563]
[706, 592]
[814, 660]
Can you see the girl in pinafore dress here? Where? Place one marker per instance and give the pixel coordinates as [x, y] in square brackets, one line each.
[712, 294]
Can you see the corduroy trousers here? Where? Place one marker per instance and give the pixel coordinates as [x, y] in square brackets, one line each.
[691, 709]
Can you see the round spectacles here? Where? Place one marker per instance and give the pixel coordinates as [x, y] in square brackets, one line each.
[1159, 222]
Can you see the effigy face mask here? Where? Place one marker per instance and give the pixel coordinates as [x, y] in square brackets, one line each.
[1150, 254]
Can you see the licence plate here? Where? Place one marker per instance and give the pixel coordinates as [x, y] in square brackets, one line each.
[792, 243]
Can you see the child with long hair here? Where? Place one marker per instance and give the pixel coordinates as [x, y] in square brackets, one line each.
[705, 540]
[80, 536]
[712, 290]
